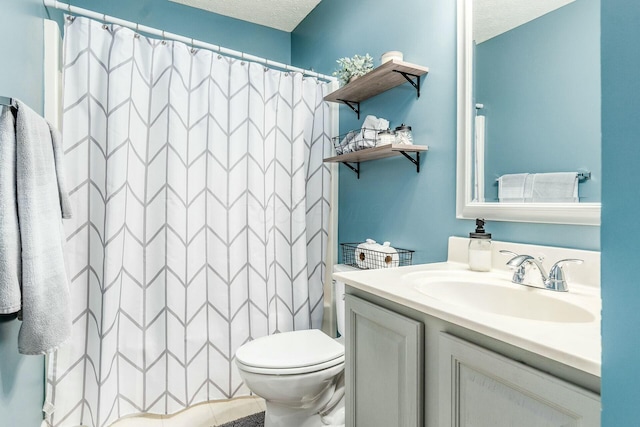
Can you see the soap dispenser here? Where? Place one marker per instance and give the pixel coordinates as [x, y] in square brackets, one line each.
[480, 248]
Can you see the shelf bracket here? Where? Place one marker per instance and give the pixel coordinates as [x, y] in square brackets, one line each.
[410, 77]
[356, 169]
[355, 106]
[415, 161]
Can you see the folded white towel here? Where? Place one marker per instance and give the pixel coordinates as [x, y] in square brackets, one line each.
[365, 137]
[370, 128]
[557, 187]
[511, 187]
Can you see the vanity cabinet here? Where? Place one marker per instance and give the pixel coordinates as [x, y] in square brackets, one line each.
[481, 388]
[408, 368]
[384, 367]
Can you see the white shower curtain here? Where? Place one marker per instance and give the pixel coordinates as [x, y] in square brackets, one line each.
[201, 218]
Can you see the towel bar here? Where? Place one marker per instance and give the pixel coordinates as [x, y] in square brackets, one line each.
[5, 100]
[582, 176]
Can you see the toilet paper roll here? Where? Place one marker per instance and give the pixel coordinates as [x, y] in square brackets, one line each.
[389, 255]
[364, 254]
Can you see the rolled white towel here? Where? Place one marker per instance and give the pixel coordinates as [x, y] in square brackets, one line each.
[346, 144]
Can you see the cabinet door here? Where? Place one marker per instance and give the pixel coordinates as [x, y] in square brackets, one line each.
[384, 367]
[479, 388]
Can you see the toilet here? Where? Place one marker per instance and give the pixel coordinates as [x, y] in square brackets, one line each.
[299, 374]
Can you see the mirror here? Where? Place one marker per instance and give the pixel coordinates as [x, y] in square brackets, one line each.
[536, 76]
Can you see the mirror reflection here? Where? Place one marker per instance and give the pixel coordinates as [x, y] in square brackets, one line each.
[536, 89]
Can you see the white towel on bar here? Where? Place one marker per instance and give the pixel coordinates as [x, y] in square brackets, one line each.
[512, 187]
[38, 268]
[556, 187]
[10, 262]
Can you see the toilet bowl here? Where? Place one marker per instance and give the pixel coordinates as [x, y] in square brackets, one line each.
[299, 374]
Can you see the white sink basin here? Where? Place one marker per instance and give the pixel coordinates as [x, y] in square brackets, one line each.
[496, 295]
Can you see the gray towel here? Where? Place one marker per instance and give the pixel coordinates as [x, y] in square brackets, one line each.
[42, 202]
[10, 271]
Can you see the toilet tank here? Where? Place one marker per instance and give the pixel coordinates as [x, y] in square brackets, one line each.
[338, 291]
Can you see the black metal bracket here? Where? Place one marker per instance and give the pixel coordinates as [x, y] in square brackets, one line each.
[355, 169]
[408, 76]
[355, 106]
[415, 161]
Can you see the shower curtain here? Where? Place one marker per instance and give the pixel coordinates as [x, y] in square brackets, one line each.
[201, 217]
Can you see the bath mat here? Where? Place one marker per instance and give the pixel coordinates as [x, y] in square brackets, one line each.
[255, 420]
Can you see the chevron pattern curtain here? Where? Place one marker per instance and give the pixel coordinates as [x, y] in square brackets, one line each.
[201, 204]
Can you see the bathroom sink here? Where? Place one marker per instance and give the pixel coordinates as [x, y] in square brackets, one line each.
[496, 295]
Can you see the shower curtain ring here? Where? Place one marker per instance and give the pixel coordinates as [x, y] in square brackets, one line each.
[193, 48]
[69, 17]
[163, 39]
[137, 34]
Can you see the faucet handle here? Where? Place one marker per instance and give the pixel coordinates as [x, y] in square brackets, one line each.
[517, 264]
[506, 252]
[556, 279]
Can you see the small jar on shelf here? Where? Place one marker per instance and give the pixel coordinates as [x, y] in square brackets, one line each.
[404, 135]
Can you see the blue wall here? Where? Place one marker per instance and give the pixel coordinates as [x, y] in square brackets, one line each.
[621, 204]
[21, 50]
[540, 86]
[390, 201]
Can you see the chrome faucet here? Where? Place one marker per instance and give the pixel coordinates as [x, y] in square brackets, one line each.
[555, 281]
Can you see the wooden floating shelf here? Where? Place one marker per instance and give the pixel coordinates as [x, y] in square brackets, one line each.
[375, 153]
[387, 76]
[380, 152]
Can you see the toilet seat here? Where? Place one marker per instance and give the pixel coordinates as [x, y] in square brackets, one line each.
[290, 353]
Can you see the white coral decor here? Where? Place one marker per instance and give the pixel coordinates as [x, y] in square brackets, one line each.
[353, 67]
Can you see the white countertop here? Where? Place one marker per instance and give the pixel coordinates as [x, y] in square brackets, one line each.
[576, 344]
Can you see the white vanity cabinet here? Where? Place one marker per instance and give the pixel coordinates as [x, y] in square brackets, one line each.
[408, 368]
[384, 367]
[483, 389]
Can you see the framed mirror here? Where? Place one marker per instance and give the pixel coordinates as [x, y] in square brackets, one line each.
[528, 106]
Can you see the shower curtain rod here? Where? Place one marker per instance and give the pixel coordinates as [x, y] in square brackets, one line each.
[187, 40]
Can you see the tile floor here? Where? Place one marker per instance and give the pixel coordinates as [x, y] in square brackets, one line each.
[210, 414]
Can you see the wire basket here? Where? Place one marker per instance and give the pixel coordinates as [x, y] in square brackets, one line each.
[365, 258]
[355, 140]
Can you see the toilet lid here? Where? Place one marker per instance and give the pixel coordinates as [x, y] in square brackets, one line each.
[297, 349]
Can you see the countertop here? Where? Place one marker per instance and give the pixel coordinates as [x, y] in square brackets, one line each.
[576, 344]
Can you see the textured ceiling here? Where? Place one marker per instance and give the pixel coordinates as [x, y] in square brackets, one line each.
[494, 17]
[282, 15]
